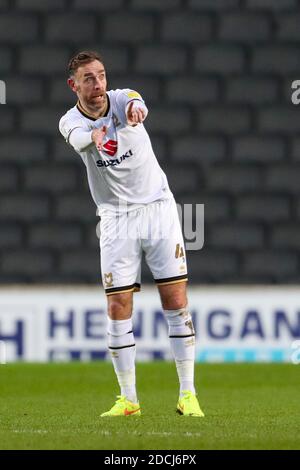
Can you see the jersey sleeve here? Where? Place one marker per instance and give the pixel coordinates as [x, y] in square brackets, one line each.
[75, 133]
[67, 124]
[124, 98]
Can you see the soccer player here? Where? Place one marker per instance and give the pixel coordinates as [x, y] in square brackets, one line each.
[138, 214]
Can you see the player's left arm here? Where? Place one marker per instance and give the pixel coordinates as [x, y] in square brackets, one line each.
[136, 112]
[132, 106]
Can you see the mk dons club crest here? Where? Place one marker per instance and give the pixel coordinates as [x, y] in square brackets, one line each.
[108, 280]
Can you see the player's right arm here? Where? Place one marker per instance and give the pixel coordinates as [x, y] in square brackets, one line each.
[75, 133]
[98, 136]
[78, 137]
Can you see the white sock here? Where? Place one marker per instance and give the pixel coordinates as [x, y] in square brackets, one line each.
[182, 339]
[122, 349]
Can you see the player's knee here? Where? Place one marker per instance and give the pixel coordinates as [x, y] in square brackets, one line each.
[119, 309]
[116, 310]
[174, 302]
[173, 296]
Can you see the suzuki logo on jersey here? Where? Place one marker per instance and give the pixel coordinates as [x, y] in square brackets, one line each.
[115, 161]
[111, 147]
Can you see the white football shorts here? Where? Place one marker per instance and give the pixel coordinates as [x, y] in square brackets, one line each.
[153, 229]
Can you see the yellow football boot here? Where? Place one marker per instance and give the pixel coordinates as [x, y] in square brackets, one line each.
[123, 407]
[188, 405]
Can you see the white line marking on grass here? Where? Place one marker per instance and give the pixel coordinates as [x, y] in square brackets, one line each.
[30, 431]
[152, 433]
[109, 433]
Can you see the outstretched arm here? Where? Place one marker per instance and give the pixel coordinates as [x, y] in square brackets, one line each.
[136, 112]
[130, 107]
[98, 136]
[81, 139]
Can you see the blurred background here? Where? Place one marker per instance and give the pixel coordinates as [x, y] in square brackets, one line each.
[216, 76]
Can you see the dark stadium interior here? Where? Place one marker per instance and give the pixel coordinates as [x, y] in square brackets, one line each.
[216, 76]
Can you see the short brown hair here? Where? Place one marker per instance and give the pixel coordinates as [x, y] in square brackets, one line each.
[84, 57]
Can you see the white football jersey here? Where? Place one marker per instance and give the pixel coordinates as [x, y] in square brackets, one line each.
[126, 172]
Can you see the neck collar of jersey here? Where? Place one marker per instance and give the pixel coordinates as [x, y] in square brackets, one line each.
[89, 116]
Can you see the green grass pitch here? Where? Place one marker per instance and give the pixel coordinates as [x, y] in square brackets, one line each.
[57, 406]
